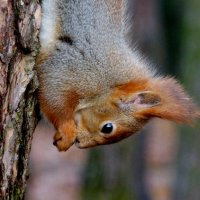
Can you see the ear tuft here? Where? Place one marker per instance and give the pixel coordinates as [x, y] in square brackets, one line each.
[175, 104]
[157, 97]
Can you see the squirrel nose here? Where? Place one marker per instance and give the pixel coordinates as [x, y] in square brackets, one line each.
[55, 141]
[76, 140]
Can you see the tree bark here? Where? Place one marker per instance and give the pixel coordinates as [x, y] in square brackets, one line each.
[19, 27]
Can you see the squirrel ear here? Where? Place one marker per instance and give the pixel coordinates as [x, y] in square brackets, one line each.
[157, 97]
[140, 100]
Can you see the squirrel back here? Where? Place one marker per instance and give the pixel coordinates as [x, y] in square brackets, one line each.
[93, 87]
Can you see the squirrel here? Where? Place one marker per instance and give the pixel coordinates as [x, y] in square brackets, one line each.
[94, 88]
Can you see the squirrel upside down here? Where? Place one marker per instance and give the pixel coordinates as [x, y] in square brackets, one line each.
[94, 88]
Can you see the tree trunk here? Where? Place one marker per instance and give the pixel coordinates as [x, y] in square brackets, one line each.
[19, 27]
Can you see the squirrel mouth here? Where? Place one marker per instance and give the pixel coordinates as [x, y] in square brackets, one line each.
[80, 145]
[77, 143]
[85, 144]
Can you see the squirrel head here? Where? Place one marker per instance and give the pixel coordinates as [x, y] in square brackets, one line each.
[126, 108]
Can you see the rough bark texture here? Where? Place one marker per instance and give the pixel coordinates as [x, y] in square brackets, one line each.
[19, 27]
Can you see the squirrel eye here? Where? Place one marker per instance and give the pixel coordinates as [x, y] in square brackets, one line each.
[107, 128]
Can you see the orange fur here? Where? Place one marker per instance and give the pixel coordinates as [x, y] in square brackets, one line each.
[90, 78]
[128, 106]
[66, 134]
[62, 119]
[130, 87]
[175, 104]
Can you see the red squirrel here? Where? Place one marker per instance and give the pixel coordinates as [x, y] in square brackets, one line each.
[94, 88]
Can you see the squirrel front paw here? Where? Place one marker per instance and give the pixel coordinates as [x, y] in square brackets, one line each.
[62, 142]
